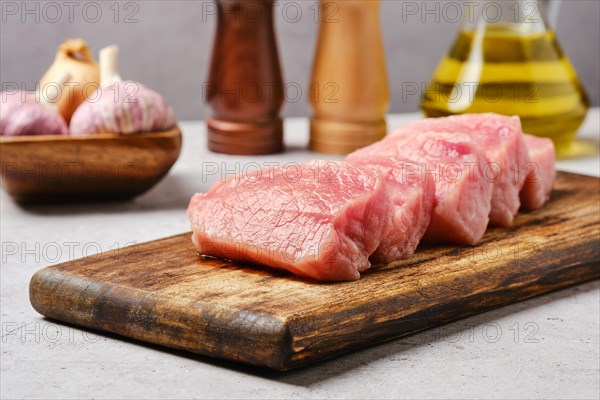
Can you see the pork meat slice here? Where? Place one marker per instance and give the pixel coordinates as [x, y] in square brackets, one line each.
[320, 219]
[412, 196]
[540, 180]
[501, 139]
[462, 195]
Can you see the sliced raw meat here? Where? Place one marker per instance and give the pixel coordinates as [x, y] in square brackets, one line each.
[501, 139]
[462, 195]
[540, 180]
[413, 199]
[320, 219]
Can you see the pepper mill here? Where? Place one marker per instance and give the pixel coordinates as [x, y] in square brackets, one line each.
[349, 87]
[245, 90]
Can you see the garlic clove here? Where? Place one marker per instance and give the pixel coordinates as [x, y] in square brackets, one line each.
[124, 107]
[23, 114]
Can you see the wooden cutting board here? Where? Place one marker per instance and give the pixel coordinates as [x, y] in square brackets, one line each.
[162, 292]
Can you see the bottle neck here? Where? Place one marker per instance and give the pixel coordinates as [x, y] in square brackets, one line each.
[527, 16]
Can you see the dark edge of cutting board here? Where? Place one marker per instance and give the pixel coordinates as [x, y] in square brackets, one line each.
[162, 292]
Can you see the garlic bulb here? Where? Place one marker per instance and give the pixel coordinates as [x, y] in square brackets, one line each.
[73, 57]
[29, 113]
[120, 106]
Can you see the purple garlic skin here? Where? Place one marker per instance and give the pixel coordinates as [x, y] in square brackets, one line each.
[22, 115]
[123, 107]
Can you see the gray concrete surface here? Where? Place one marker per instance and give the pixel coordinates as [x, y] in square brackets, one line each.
[543, 348]
[167, 43]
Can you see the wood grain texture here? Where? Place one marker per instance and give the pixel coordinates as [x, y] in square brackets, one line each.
[162, 292]
[48, 168]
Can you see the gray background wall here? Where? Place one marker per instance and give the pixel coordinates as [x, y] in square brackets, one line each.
[168, 44]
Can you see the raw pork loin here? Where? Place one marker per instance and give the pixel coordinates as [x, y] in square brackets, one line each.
[539, 182]
[501, 139]
[462, 195]
[413, 201]
[320, 219]
[440, 179]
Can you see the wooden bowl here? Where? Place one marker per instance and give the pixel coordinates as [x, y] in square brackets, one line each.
[49, 168]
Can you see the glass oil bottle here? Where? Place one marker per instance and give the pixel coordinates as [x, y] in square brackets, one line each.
[506, 59]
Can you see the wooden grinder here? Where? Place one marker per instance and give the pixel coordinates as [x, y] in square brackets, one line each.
[349, 88]
[245, 87]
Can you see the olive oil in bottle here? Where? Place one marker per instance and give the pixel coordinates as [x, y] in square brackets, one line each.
[512, 69]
